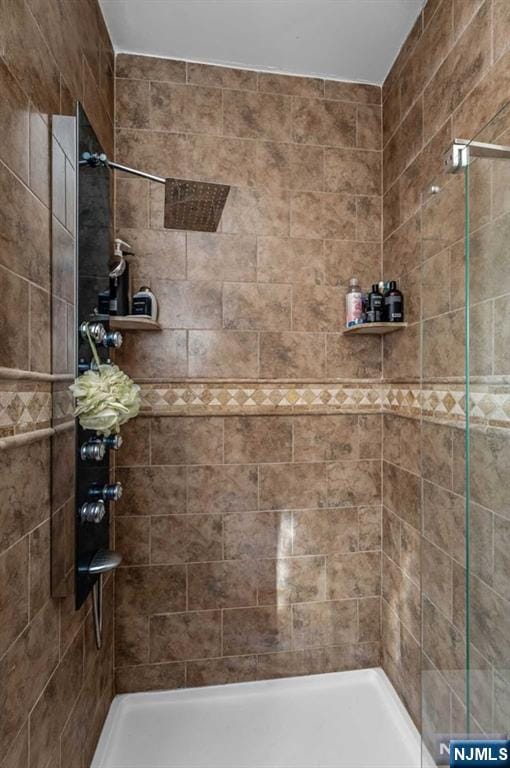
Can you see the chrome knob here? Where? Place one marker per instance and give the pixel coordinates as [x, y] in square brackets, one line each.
[112, 492]
[96, 331]
[113, 339]
[93, 450]
[92, 511]
[109, 492]
[114, 442]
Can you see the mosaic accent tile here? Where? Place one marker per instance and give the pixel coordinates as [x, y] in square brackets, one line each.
[24, 410]
[27, 407]
[490, 403]
[431, 401]
[63, 406]
[258, 398]
[493, 407]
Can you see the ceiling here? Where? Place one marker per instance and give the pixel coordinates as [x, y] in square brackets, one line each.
[354, 40]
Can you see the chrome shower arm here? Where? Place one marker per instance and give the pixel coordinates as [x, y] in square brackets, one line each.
[93, 160]
[135, 172]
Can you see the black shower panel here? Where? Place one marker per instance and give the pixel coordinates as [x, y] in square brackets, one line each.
[95, 239]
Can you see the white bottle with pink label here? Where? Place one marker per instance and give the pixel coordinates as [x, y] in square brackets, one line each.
[354, 304]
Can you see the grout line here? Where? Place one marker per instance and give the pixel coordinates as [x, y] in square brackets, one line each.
[150, 517]
[269, 558]
[492, 36]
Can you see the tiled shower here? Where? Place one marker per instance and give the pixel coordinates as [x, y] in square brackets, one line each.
[254, 548]
[294, 499]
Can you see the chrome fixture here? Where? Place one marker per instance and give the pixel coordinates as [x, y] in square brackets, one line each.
[93, 159]
[98, 160]
[461, 151]
[100, 335]
[189, 205]
[93, 450]
[113, 339]
[92, 511]
[104, 561]
[96, 331]
[113, 442]
[109, 492]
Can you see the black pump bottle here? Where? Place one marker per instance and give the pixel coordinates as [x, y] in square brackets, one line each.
[393, 304]
[375, 305]
[119, 280]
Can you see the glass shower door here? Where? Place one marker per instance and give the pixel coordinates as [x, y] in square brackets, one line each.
[442, 435]
[465, 443]
[487, 437]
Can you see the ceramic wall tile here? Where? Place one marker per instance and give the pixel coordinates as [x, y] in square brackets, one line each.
[256, 115]
[221, 77]
[150, 68]
[294, 86]
[257, 630]
[183, 108]
[324, 122]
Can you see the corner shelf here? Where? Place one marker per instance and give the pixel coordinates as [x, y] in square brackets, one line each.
[133, 323]
[374, 328]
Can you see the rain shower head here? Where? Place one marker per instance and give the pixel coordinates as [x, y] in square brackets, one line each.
[190, 205]
[194, 205]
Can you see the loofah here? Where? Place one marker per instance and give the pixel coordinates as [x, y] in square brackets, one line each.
[105, 397]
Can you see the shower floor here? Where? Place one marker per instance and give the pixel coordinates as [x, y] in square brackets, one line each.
[339, 720]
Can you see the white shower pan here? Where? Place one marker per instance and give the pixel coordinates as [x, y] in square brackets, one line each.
[340, 720]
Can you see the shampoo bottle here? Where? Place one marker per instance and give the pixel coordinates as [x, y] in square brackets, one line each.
[145, 303]
[393, 304]
[375, 305]
[353, 304]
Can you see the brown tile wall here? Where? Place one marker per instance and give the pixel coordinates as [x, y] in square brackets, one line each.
[252, 544]
[450, 78]
[263, 297]
[401, 583]
[45, 63]
[424, 548]
[448, 81]
[251, 548]
[55, 686]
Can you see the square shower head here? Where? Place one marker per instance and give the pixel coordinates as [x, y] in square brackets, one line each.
[194, 205]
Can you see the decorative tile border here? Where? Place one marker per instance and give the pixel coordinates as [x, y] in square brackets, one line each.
[491, 406]
[24, 407]
[490, 403]
[257, 398]
[63, 404]
[27, 406]
[432, 401]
